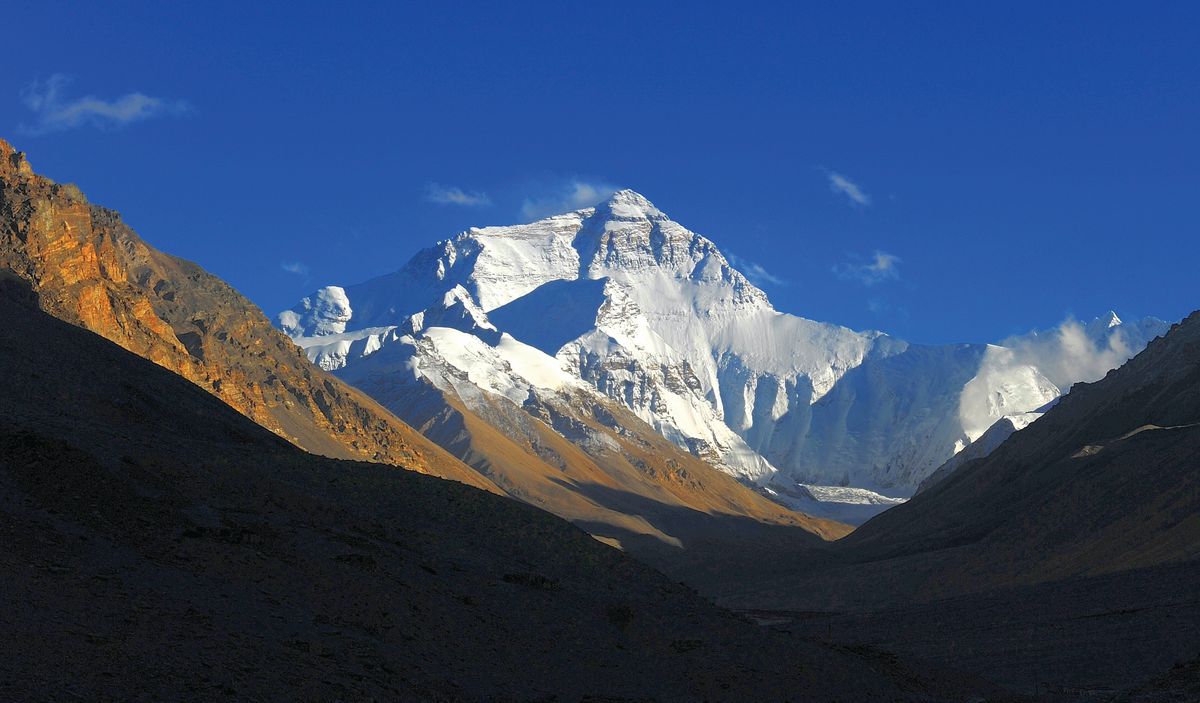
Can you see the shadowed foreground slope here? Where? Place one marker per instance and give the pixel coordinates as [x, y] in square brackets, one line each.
[1069, 556]
[158, 544]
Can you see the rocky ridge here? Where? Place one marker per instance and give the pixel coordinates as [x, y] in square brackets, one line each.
[90, 269]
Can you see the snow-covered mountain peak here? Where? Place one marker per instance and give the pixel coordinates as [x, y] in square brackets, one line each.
[631, 242]
[326, 311]
[628, 205]
[626, 240]
[1101, 326]
[652, 315]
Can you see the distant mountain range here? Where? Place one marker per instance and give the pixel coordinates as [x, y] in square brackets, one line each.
[620, 304]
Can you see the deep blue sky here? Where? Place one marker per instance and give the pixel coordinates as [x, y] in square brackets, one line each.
[1024, 162]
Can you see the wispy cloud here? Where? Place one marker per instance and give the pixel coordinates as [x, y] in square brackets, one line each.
[294, 267]
[755, 272]
[1068, 354]
[885, 306]
[881, 267]
[1064, 355]
[452, 195]
[54, 112]
[844, 186]
[573, 195]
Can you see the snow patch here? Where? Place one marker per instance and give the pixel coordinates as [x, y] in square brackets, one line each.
[535, 366]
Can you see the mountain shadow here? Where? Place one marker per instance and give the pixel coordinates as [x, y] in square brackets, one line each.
[552, 314]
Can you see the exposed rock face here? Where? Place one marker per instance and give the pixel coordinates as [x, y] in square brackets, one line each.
[92, 270]
[1104, 481]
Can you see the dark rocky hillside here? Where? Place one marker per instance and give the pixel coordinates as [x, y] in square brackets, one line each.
[159, 545]
[1068, 557]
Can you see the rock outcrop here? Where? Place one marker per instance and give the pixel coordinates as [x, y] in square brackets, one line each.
[90, 269]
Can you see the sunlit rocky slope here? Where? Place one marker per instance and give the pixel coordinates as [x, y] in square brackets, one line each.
[92, 270]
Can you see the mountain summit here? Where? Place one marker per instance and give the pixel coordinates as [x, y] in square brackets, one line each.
[653, 316]
[631, 205]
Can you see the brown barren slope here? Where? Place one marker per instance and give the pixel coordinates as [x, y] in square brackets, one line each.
[92, 270]
[635, 485]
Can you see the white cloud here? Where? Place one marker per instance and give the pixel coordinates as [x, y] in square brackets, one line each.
[573, 195]
[1067, 354]
[54, 112]
[451, 195]
[755, 272]
[1064, 356]
[294, 267]
[844, 186]
[882, 267]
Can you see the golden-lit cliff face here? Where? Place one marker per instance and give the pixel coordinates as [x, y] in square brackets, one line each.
[619, 479]
[92, 270]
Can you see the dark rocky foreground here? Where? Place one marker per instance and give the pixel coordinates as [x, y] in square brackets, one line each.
[156, 544]
[1068, 640]
[1064, 565]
